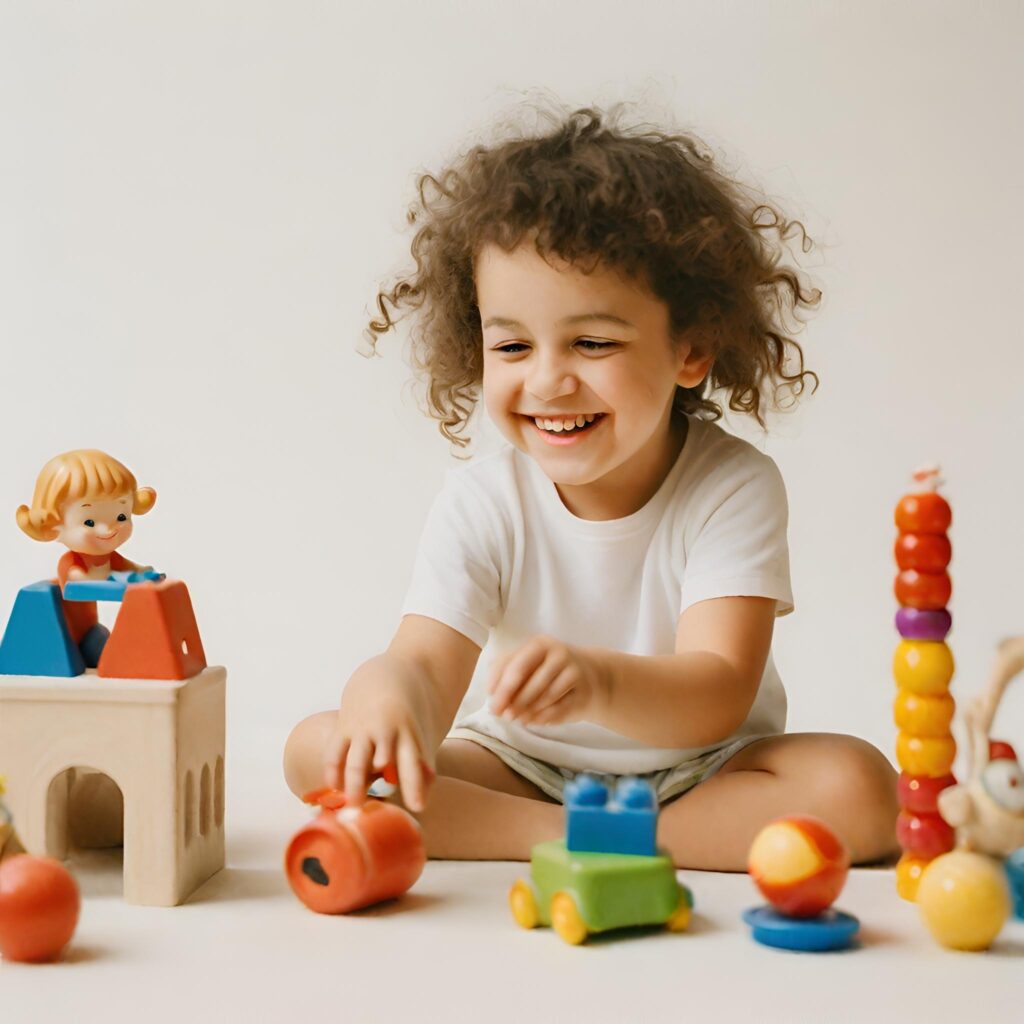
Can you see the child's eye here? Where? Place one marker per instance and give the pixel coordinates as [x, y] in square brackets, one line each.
[90, 523]
[588, 344]
[122, 518]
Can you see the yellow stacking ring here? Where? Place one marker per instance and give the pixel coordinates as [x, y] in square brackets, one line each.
[925, 755]
[908, 875]
[923, 716]
[924, 667]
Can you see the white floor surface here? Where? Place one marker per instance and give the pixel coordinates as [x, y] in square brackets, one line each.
[244, 949]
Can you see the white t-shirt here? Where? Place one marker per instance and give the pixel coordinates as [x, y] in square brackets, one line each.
[501, 559]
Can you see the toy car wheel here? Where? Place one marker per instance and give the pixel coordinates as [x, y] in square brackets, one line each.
[680, 919]
[524, 905]
[566, 920]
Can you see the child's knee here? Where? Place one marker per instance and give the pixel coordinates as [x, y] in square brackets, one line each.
[303, 752]
[860, 782]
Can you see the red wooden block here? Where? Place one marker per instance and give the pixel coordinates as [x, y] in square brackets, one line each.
[155, 635]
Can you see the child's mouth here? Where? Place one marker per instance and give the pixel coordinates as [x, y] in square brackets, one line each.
[567, 436]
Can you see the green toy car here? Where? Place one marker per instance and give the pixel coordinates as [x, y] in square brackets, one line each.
[579, 894]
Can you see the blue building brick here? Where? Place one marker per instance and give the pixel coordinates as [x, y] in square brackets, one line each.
[599, 819]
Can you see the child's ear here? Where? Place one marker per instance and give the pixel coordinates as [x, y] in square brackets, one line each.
[694, 368]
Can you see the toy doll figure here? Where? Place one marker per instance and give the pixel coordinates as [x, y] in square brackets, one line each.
[85, 499]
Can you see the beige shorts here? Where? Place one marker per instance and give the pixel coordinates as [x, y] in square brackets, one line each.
[551, 779]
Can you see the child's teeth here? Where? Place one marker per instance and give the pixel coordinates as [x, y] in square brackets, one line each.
[557, 426]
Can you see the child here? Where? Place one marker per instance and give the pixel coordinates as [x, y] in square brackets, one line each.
[598, 286]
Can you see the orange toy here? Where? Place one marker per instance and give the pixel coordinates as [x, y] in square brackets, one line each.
[155, 635]
[39, 906]
[348, 858]
[799, 865]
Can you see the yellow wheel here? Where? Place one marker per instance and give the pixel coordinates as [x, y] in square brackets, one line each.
[523, 904]
[566, 920]
[680, 919]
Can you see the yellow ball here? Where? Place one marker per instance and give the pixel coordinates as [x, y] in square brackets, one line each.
[923, 666]
[929, 755]
[923, 716]
[964, 900]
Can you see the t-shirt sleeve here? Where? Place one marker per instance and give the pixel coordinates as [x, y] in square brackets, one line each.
[739, 547]
[456, 577]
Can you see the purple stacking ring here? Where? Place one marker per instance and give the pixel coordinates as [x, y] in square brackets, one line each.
[915, 624]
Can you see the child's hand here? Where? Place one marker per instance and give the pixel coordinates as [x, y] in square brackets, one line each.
[378, 726]
[547, 681]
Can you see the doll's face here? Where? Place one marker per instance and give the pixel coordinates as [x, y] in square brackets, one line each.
[96, 526]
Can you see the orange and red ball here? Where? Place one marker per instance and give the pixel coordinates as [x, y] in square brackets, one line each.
[799, 865]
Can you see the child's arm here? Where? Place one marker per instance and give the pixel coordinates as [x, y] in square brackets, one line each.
[703, 692]
[398, 707]
[692, 698]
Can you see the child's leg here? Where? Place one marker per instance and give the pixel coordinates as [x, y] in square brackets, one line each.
[842, 780]
[477, 808]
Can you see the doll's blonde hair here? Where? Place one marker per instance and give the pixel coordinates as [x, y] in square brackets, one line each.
[85, 473]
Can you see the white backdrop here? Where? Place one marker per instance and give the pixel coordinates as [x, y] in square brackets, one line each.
[198, 201]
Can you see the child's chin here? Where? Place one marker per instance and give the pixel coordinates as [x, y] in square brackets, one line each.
[568, 476]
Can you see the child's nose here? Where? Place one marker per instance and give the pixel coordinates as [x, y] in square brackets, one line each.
[548, 380]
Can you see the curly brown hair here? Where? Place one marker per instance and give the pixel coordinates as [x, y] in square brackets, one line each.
[636, 199]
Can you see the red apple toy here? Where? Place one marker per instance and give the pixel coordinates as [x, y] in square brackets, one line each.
[39, 904]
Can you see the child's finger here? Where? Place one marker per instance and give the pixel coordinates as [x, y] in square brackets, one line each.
[561, 686]
[554, 713]
[410, 773]
[384, 753]
[334, 759]
[558, 698]
[520, 667]
[497, 667]
[535, 688]
[357, 765]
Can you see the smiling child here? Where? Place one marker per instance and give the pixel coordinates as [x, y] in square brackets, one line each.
[623, 558]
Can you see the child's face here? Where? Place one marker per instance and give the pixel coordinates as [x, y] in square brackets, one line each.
[95, 526]
[560, 345]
